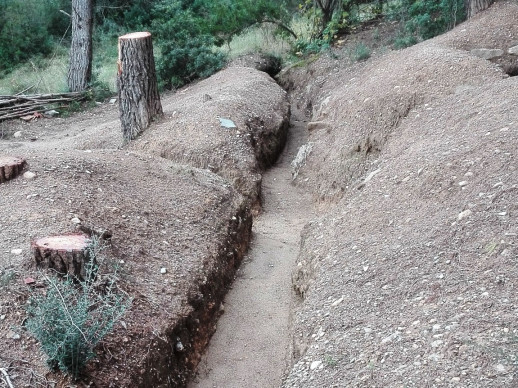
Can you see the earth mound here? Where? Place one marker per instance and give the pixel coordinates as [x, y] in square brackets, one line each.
[175, 230]
[256, 111]
[408, 277]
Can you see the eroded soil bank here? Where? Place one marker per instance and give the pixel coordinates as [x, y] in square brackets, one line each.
[178, 203]
[251, 345]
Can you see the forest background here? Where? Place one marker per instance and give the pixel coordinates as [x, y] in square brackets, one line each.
[193, 39]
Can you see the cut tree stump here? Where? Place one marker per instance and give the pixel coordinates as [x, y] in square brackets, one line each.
[65, 254]
[139, 100]
[10, 167]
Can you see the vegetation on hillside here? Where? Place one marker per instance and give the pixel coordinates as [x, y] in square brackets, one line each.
[192, 36]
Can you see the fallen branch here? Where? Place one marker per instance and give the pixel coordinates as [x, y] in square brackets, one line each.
[16, 106]
[6, 377]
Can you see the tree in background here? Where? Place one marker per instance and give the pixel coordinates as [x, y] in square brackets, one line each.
[188, 32]
[24, 30]
[80, 66]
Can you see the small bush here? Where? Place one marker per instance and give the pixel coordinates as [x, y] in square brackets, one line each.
[404, 41]
[421, 20]
[73, 316]
[361, 52]
[183, 63]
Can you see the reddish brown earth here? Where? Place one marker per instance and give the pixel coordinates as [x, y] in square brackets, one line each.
[162, 215]
[409, 278]
[405, 277]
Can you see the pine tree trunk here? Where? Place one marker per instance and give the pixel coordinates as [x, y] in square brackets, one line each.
[80, 68]
[475, 6]
[139, 100]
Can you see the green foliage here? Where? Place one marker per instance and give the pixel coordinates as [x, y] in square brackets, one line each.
[361, 52]
[425, 19]
[189, 31]
[325, 23]
[402, 41]
[6, 276]
[25, 29]
[187, 50]
[73, 316]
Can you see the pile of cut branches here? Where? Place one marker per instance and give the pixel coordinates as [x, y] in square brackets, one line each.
[16, 106]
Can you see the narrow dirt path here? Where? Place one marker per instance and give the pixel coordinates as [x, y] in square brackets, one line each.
[251, 345]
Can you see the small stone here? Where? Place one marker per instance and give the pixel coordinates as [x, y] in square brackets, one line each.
[455, 379]
[17, 134]
[437, 343]
[51, 113]
[315, 364]
[17, 251]
[227, 123]
[75, 220]
[513, 50]
[179, 347]
[12, 335]
[29, 281]
[463, 183]
[163, 270]
[500, 368]
[464, 214]
[337, 302]
[113, 100]
[485, 53]
[29, 175]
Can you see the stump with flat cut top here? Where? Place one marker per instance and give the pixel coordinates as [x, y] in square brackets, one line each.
[139, 100]
[65, 254]
[10, 167]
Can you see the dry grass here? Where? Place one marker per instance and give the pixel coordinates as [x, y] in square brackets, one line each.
[261, 39]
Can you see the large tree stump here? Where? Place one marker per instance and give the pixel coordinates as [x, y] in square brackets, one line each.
[139, 100]
[65, 254]
[10, 167]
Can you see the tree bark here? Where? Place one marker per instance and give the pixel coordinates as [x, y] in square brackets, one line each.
[475, 6]
[80, 67]
[139, 100]
[10, 167]
[65, 254]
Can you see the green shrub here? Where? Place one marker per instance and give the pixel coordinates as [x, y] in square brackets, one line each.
[26, 29]
[403, 41]
[361, 52]
[73, 316]
[423, 20]
[189, 32]
[182, 63]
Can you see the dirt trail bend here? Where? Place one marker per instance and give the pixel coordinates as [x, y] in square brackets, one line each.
[251, 344]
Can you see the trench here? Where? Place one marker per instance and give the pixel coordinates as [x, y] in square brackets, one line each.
[251, 345]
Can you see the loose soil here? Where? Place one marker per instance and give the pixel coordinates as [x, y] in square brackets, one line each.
[251, 345]
[409, 278]
[405, 274]
[178, 232]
